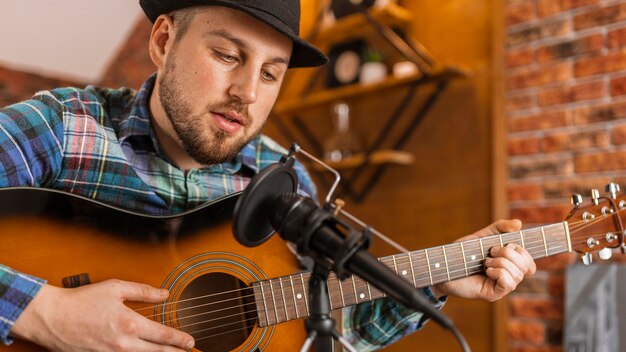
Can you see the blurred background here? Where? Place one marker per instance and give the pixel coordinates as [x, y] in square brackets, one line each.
[442, 116]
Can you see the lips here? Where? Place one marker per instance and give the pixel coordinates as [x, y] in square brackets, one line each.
[229, 122]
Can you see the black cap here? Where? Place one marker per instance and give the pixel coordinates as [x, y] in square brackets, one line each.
[282, 15]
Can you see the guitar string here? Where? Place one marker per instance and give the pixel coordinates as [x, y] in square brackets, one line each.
[276, 308]
[574, 229]
[283, 296]
[385, 261]
[454, 263]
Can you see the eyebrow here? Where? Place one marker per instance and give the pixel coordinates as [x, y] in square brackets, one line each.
[222, 33]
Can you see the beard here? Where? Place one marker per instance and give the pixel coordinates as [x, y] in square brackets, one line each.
[204, 146]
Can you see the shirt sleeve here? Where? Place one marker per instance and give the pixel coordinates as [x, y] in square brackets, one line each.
[31, 135]
[373, 325]
[16, 291]
[30, 155]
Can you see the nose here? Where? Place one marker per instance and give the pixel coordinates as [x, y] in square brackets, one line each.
[244, 85]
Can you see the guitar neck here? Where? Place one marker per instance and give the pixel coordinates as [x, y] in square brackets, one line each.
[286, 298]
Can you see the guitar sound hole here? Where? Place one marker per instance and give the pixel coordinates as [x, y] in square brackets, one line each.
[218, 310]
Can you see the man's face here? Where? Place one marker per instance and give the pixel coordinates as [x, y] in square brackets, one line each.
[220, 81]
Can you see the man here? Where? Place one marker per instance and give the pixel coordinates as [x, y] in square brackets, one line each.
[189, 135]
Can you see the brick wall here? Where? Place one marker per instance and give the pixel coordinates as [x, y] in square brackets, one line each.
[16, 86]
[565, 109]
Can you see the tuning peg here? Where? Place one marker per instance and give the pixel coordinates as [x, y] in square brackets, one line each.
[576, 199]
[587, 259]
[605, 253]
[595, 195]
[612, 189]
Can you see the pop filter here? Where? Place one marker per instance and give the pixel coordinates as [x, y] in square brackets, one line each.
[251, 223]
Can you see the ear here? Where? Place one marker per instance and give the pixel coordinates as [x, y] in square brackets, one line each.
[161, 40]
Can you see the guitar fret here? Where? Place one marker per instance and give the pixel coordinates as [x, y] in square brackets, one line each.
[500, 238]
[282, 292]
[445, 258]
[356, 295]
[521, 238]
[306, 301]
[412, 270]
[567, 237]
[293, 294]
[545, 244]
[267, 315]
[430, 274]
[343, 299]
[482, 249]
[464, 258]
[274, 301]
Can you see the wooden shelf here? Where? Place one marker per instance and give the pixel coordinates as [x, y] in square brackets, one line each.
[354, 90]
[391, 15]
[379, 157]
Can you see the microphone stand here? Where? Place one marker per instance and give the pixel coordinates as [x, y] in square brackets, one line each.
[320, 326]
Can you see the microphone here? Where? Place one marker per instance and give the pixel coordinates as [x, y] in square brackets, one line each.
[314, 230]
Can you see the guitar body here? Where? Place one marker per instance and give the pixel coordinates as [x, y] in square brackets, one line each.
[190, 260]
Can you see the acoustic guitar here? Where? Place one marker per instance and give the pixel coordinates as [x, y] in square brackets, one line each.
[230, 297]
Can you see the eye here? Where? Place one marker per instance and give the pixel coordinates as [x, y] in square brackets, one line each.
[268, 76]
[225, 57]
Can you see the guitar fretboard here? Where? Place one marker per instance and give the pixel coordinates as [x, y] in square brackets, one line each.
[286, 298]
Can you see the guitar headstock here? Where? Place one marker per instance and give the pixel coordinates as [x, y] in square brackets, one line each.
[597, 223]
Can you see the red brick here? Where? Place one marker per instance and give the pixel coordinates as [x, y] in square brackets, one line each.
[600, 161]
[589, 44]
[575, 141]
[535, 76]
[618, 134]
[556, 284]
[578, 92]
[548, 214]
[616, 38]
[618, 86]
[600, 17]
[552, 7]
[518, 13]
[524, 191]
[557, 28]
[599, 113]
[519, 102]
[550, 166]
[520, 146]
[614, 61]
[520, 57]
[541, 121]
[526, 331]
[536, 308]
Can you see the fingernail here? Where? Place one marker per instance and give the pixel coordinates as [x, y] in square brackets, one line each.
[190, 345]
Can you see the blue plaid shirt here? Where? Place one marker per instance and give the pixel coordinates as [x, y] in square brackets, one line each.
[98, 143]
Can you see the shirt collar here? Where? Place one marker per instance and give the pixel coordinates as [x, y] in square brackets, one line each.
[137, 125]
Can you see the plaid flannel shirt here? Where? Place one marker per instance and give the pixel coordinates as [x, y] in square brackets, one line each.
[98, 143]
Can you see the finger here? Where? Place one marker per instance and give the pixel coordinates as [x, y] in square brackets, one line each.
[504, 282]
[164, 335]
[516, 254]
[511, 225]
[137, 292]
[509, 267]
[499, 226]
